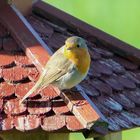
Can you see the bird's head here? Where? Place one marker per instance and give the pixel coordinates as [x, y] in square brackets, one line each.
[75, 43]
[76, 50]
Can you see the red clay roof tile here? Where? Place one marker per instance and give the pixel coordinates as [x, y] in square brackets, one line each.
[19, 75]
[19, 122]
[12, 107]
[7, 123]
[21, 89]
[6, 89]
[6, 59]
[32, 122]
[49, 92]
[22, 60]
[39, 106]
[59, 107]
[25, 123]
[72, 123]
[53, 123]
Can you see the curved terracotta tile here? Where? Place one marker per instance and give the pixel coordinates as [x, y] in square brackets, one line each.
[59, 107]
[39, 106]
[23, 88]
[13, 107]
[7, 123]
[73, 124]
[53, 123]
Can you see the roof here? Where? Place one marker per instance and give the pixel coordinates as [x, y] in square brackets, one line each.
[112, 82]
[18, 75]
[111, 88]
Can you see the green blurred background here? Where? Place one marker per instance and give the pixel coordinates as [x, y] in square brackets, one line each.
[120, 18]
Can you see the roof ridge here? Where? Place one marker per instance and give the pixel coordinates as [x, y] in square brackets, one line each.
[64, 19]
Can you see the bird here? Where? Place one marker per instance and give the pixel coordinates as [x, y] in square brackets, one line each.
[66, 68]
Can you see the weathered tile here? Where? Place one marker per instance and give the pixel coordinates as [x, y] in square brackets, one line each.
[6, 59]
[32, 122]
[7, 123]
[103, 52]
[133, 77]
[40, 106]
[93, 72]
[121, 121]
[40, 27]
[33, 74]
[80, 108]
[53, 123]
[6, 89]
[73, 124]
[90, 90]
[136, 110]
[56, 41]
[104, 109]
[1, 41]
[123, 100]
[19, 74]
[22, 89]
[22, 60]
[114, 83]
[113, 126]
[102, 87]
[101, 67]
[116, 67]
[13, 107]
[111, 104]
[1, 105]
[133, 96]
[49, 92]
[59, 107]
[19, 122]
[9, 44]
[131, 117]
[94, 55]
[127, 83]
[126, 63]
[15, 74]
[3, 31]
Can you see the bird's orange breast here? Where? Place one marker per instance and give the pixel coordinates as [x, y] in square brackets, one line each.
[80, 57]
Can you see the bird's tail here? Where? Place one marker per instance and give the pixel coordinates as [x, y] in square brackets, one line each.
[36, 87]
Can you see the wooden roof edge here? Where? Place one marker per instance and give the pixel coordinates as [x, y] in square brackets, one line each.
[91, 33]
[25, 35]
[2, 3]
[39, 53]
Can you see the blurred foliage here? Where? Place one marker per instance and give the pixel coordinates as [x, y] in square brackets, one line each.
[120, 18]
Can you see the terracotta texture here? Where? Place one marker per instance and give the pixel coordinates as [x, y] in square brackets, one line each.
[17, 76]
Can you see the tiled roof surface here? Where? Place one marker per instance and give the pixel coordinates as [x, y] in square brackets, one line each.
[112, 82]
[17, 75]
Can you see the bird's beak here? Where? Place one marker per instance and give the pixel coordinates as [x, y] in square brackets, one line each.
[70, 48]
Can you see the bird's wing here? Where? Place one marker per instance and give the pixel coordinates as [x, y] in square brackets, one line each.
[57, 66]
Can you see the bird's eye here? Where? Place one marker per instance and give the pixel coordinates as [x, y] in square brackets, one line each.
[78, 46]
